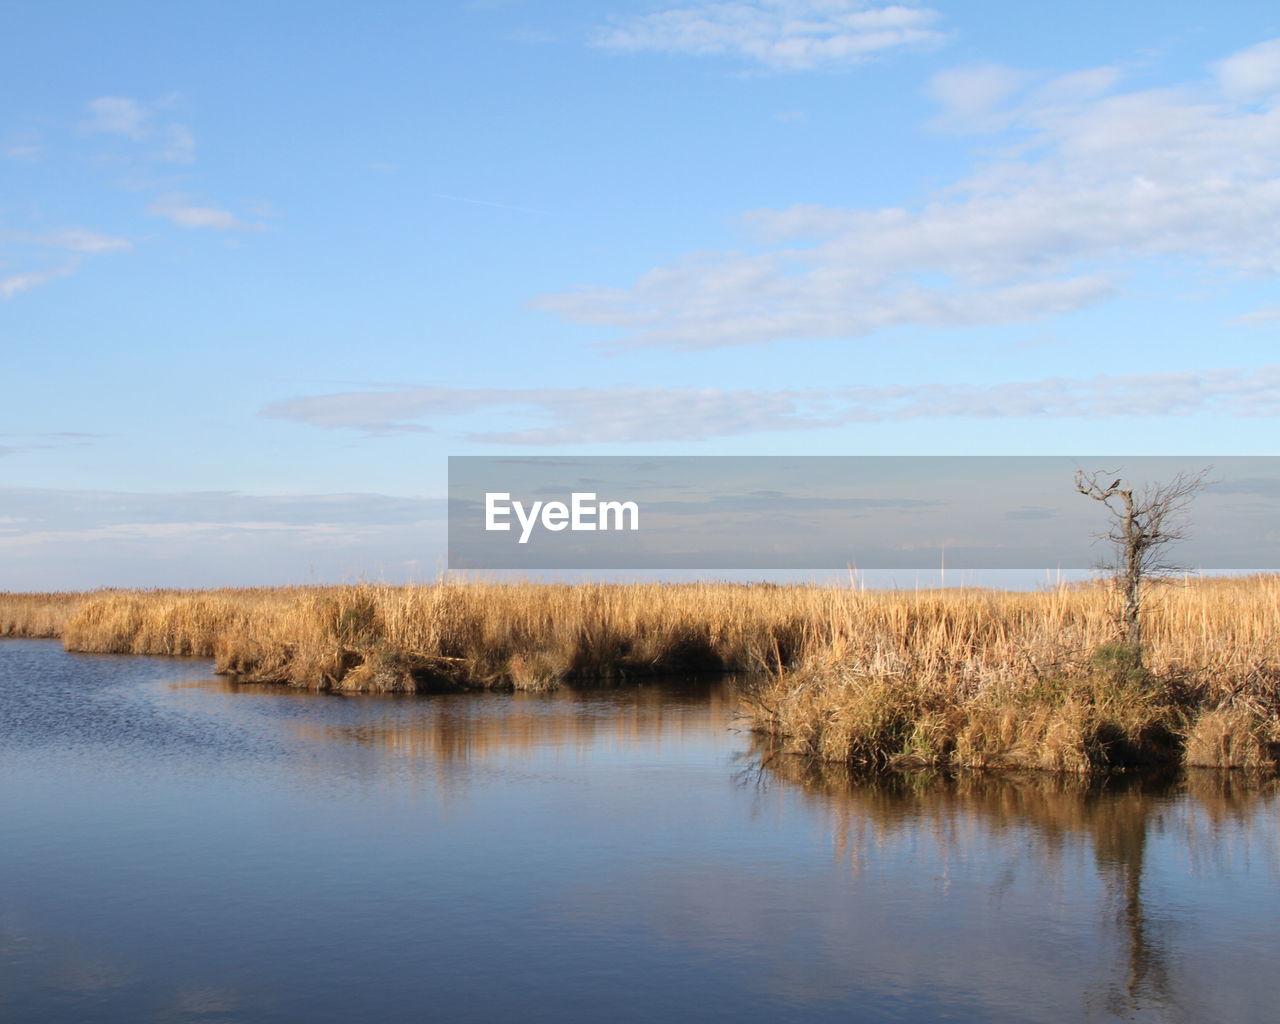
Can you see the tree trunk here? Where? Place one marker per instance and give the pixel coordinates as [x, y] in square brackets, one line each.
[1132, 619]
[1133, 552]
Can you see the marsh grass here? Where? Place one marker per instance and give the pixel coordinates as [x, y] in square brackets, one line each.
[988, 680]
[369, 638]
[37, 615]
[951, 678]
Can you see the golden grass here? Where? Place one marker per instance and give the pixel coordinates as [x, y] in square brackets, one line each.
[955, 678]
[386, 639]
[998, 680]
[37, 615]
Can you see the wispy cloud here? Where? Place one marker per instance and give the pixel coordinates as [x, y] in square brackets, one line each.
[601, 415]
[45, 441]
[982, 98]
[141, 122]
[24, 152]
[1252, 73]
[118, 115]
[1258, 318]
[1099, 182]
[16, 284]
[152, 134]
[177, 144]
[73, 510]
[80, 240]
[77, 539]
[781, 35]
[971, 97]
[568, 415]
[185, 212]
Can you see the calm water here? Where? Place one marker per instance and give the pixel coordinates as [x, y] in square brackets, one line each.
[175, 848]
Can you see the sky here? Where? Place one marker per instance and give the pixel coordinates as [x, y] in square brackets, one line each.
[264, 267]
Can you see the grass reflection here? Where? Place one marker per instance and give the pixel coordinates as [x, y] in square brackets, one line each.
[1117, 819]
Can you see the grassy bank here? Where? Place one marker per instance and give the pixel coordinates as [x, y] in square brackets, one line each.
[413, 639]
[959, 678]
[973, 680]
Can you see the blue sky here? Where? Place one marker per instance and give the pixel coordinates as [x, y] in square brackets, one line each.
[264, 267]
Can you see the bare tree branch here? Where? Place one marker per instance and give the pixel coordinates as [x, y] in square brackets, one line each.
[1142, 524]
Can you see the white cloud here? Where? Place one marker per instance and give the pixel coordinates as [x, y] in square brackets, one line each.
[1097, 185]
[119, 115]
[24, 152]
[70, 539]
[178, 144]
[182, 211]
[1258, 318]
[141, 122]
[82, 240]
[71, 510]
[1236, 391]
[16, 284]
[782, 35]
[47, 441]
[1253, 73]
[79, 241]
[1078, 85]
[616, 415]
[567, 415]
[969, 96]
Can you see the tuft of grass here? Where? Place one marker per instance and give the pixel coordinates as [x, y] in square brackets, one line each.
[1241, 734]
[1120, 662]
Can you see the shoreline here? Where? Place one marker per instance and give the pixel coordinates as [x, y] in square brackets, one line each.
[929, 679]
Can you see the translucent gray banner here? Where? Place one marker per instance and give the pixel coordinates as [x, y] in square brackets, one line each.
[839, 512]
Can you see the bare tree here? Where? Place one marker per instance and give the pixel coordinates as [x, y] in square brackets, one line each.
[1141, 525]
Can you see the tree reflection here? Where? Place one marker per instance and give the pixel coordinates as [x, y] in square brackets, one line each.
[1116, 818]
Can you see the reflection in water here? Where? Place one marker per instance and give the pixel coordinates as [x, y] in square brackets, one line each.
[1113, 819]
[471, 727]
[1116, 817]
[185, 849]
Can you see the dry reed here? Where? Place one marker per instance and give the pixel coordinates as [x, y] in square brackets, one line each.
[37, 615]
[955, 678]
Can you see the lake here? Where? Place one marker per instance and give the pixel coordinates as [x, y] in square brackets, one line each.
[177, 847]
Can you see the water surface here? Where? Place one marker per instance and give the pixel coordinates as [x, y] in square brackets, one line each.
[179, 848]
